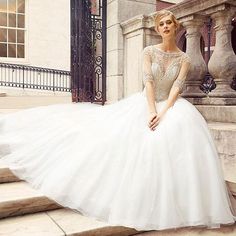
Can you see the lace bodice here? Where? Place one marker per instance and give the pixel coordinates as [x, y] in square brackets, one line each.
[164, 69]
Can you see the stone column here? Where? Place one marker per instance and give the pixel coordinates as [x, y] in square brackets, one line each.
[222, 64]
[119, 11]
[138, 33]
[198, 68]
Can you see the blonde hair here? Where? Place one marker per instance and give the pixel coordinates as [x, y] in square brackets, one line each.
[163, 13]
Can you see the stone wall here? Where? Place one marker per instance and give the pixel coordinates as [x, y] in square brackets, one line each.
[119, 11]
[163, 4]
[47, 35]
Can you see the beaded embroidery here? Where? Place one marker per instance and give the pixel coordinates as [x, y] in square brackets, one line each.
[162, 68]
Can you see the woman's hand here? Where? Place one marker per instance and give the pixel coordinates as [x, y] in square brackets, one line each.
[154, 120]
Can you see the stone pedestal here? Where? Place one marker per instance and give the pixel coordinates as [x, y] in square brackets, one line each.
[198, 66]
[222, 64]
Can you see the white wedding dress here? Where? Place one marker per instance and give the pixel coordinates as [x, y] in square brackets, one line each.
[105, 162]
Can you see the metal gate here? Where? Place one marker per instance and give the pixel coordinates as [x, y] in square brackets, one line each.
[88, 50]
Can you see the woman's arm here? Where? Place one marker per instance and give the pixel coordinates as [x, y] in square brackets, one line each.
[176, 89]
[148, 79]
[150, 94]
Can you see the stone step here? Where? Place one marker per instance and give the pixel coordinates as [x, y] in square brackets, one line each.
[222, 231]
[6, 175]
[3, 94]
[19, 198]
[232, 187]
[67, 222]
[18, 92]
[226, 114]
[224, 135]
[58, 223]
[22, 102]
[3, 111]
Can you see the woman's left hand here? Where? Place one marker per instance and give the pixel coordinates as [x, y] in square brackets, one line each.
[155, 121]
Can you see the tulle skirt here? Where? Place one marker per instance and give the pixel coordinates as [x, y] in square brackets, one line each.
[105, 162]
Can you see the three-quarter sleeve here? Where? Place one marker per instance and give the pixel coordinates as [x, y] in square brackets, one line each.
[147, 65]
[185, 66]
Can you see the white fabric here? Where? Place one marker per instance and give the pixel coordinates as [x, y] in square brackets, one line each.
[106, 163]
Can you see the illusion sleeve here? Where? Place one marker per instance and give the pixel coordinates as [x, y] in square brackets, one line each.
[185, 66]
[147, 66]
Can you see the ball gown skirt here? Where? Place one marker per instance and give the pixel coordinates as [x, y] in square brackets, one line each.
[105, 162]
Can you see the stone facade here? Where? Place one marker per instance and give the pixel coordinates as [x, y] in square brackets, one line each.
[129, 30]
[47, 35]
[119, 11]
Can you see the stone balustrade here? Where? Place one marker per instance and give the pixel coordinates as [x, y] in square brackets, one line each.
[139, 32]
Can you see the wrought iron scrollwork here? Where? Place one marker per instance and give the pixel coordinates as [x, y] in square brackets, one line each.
[233, 84]
[88, 50]
[208, 83]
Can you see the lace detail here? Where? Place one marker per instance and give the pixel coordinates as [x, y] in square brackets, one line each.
[179, 83]
[163, 68]
[186, 58]
[147, 61]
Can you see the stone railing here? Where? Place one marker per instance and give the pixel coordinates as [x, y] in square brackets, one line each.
[139, 32]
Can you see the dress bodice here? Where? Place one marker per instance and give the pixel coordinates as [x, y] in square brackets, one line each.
[163, 69]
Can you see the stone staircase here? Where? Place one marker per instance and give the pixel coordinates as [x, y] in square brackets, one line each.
[222, 123]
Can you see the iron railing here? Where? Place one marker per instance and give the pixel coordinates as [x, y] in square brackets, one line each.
[21, 76]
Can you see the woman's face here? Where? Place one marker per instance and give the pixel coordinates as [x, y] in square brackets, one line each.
[166, 27]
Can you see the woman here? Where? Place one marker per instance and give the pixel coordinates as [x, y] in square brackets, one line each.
[115, 164]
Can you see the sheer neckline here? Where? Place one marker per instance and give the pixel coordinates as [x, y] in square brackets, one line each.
[167, 53]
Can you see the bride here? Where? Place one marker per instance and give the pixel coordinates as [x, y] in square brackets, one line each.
[147, 162]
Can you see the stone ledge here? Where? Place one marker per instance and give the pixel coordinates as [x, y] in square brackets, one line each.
[19, 198]
[73, 223]
[58, 223]
[218, 113]
[223, 231]
[6, 175]
[30, 225]
[224, 135]
[28, 102]
[5, 111]
[214, 101]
